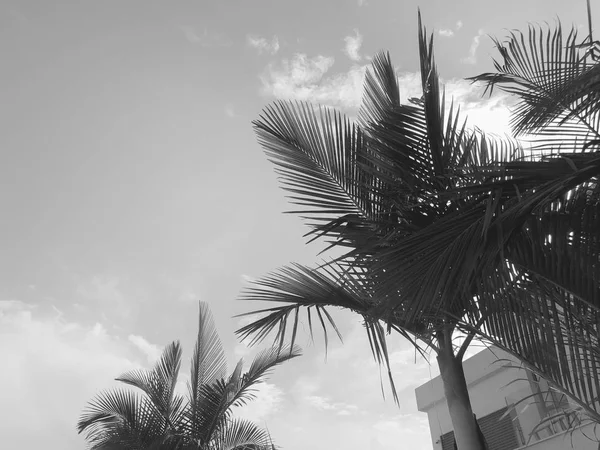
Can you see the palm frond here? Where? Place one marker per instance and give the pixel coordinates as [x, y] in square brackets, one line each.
[563, 247]
[299, 287]
[120, 416]
[159, 383]
[221, 396]
[433, 102]
[339, 172]
[551, 332]
[557, 87]
[214, 411]
[381, 91]
[436, 234]
[313, 150]
[208, 362]
[442, 260]
[240, 434]
[262, 365]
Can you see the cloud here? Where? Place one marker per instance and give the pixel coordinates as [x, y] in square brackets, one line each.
[304, 78]
[447, 32]
[263, 45]
[206, 38]
[325, 404]
[310, 79]
[55, 365]
[398, 426]
[353, 44]
[298, 74]
[362, 3]
[151, 351]
[345, 414]
[472, 59]
[267, 401]
[492, 115]
[410, 85]
[319, 402]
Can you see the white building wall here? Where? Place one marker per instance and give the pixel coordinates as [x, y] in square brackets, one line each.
[496, 381]
[490, 379]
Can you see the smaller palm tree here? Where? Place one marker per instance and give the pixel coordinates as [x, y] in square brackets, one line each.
[163, 419]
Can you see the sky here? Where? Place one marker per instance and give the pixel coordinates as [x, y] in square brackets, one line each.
[132, 187]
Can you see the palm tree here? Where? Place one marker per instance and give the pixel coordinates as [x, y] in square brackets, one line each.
[163, 419]
[446, 229]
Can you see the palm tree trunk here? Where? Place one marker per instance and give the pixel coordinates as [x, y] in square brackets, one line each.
[466, 430]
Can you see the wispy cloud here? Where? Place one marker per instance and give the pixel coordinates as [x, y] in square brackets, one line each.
[206, 38]
[151, 351]
[310, 79]
[263, 45]
[267, 401]
[448, 32]
[304, 78]
[362, 2]
[492, 115]
[353, 44]
[321, 404]
[53, 362]
[391, 428]
[325, 404]
[472, 57]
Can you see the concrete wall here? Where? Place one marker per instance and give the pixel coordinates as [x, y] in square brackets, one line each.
[493, 382]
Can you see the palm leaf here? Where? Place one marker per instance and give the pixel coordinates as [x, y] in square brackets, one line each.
[315, 291]
[117, 415]
[214, 411]
[556, 87]
[159, 383]
[313, 150]
[239, 434]
[563, 247]
[381, 91]
[428, 256]
[207, 366]
[551, 333]
[223, 395]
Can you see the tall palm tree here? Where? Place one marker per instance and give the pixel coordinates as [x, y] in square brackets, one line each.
[162, 419]
[434, 217]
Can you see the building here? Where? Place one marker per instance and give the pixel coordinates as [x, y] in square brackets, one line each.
[496, 383]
